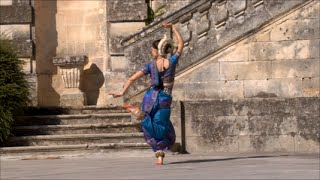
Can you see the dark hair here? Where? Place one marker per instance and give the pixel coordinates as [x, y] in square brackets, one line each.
[155, 44]
[168, 48]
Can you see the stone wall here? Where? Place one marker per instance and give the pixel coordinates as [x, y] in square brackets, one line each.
[259, 95]
[252, 125]
[248, 78]
[17, 25]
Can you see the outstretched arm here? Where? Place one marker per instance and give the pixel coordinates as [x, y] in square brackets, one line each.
[177, 34]
[134, 77]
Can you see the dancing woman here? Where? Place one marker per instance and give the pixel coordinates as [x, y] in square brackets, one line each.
[155, 111]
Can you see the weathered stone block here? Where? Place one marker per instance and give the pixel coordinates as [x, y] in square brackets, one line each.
[311, 87]
[27, 65]
[205, 72]
[296, 30]
[272, 50]
[176, 120]
[6, 2]
[276, 7]
[73, 97]
[224, 90]
[272, 125]
[114, 78]
[245, 70]
[119, 63]
[92, 48]
[262, 36]
[178, 92]
[200, 145]
[15, 14]
[260, 125]
[127, 10]
[299, 49]
[24, 48]
[75, 31]
[238, 52]
[282, 143]
[198, 91]
[310, 11]
[118, 31]
[20, 2]
[305, 145]
[78, 4]
[115, 45]
[314, 48]
[46, 82]
[307, 49]
[295, 68]
[273, 88]
[75, 48]
[48, 98]
[32, 80]
[15, 32]
[214, 108]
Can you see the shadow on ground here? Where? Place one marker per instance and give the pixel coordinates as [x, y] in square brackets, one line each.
[223, 159]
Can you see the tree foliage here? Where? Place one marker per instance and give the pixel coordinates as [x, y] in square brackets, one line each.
[14, 90]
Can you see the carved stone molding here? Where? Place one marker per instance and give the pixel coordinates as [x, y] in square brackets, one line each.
[69, 60]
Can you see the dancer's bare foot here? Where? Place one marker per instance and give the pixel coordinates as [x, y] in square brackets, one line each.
[160, 161]
[134, 110]
[160, 156]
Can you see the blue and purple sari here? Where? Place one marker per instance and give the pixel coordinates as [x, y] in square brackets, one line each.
[156, 126]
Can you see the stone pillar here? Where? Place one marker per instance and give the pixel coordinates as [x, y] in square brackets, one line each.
[71, 69]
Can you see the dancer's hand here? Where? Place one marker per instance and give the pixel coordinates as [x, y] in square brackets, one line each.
[166, 25]
[116, 95]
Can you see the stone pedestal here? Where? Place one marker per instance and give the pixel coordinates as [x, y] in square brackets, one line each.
[72, 97]
[71, 69]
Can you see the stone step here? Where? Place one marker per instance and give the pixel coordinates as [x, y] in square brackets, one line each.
[72, 139]
[127, 127]
[73, 110]
[74, 119]
[38, 152]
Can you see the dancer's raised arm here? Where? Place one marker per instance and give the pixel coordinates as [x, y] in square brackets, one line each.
[133, 78]
[177, 35]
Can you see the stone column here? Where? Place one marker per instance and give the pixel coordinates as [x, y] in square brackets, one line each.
[71, 69]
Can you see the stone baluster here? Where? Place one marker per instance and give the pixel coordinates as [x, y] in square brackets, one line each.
[71, 69]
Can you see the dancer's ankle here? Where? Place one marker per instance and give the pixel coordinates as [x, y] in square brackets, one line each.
[160, 156]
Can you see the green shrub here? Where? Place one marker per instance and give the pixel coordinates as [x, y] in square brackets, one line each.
[14, 90]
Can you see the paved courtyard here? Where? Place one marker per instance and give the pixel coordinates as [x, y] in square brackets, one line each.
[183, 166]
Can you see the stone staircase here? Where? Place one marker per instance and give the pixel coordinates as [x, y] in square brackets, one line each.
[74, 131]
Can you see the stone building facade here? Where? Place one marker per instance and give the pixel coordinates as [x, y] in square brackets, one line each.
[254, 64]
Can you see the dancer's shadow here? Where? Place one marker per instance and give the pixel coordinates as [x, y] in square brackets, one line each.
[223, 159]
